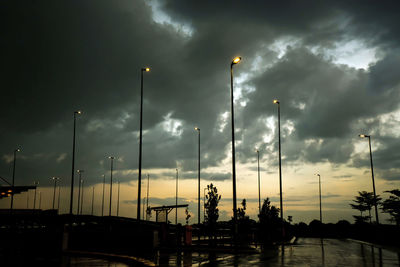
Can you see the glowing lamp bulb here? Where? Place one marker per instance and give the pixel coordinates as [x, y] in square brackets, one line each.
[236, 60]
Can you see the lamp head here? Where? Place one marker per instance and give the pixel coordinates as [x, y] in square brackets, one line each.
[363, 135]
[197, 128]
[17, 150]
[111, 157]
[236, 60]
[276, 101]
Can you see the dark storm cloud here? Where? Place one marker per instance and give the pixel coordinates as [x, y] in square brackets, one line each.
[61, 56]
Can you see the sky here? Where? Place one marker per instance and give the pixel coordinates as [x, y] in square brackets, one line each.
[333, 65]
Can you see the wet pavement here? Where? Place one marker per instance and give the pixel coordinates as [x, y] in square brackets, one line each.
[306, 252]
[91, 262]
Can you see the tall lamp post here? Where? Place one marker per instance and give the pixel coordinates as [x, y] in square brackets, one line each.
[83, 189]
[147, 197]
[372, 173]
[234, 62]
[111, 182]
[204, 207]
[13, 177]
[102, 200]
[280, 163]
[71, 201]
[40, 200]
[198, 175]
[140, 140]
[55, 179]
[320, 202]
[35, 183]
[176, 198]
[118, 199]
[79, 189]
[59, 195]
[259, 190]
[92, 201]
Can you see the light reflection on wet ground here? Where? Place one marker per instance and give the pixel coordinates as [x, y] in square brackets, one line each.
[81, 261]
[306, 252]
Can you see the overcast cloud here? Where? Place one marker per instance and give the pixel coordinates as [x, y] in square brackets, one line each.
[61, 56]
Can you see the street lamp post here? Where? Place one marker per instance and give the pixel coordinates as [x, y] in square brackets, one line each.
[176, 198]
[40, 200]
[92, 201]
[71, 201]
[140, 141]
[198, 175]
[13, 177]
[118, 199]
[55, 179]
[34, 197]
[280, 163]
[102, 200]
[59, 195]
[320, 202]
[234, 61]
[111, 182]
[259, 191]
[372, 173]
[27, 199]
[204, 206]
[79, 189]
[147, 197]
[83, 189]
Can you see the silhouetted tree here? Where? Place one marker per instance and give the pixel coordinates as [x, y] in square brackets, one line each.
[364, 202]
[241, 213]
[269, 221]
[244, 223]
[392, 205]
[211, 206]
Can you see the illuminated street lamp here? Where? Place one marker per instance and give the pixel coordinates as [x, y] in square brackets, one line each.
[320, 202]
[198, 175]
[140, 141]
[55, 179]
[13, 177]
[259, 191]
[236, 60]
[111, 182]
[71, 201]
[79, 189]
[372, 173]
[280, 162]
